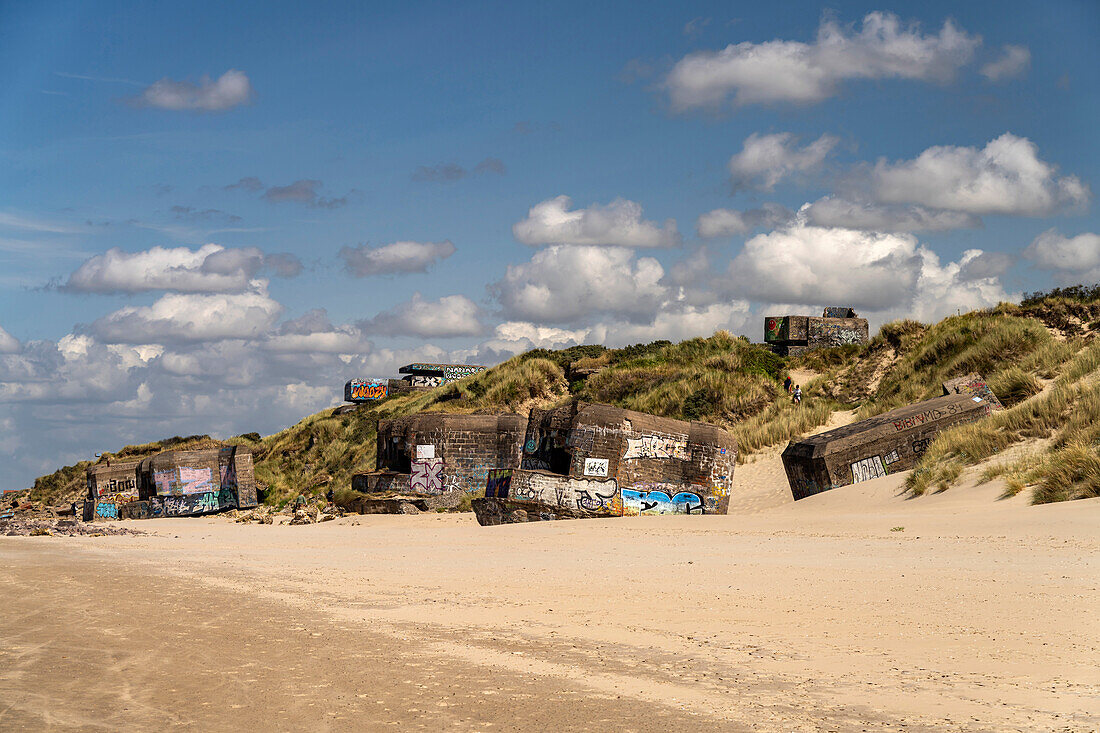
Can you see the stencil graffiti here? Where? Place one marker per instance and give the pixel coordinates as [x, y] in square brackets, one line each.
[195, 480]
[499, 483]
[427, 476]
[642, 502]
[595, 467]
[867, 469]
[656, 446]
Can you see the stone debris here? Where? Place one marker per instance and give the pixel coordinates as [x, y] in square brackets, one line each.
[60, 527]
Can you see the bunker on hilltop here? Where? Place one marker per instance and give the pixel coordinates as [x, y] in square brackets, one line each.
[590, 460]
[433, 460]
[433, 375]
[837, 326]
[887, 443]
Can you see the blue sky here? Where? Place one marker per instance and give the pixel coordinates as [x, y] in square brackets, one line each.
[212, 215]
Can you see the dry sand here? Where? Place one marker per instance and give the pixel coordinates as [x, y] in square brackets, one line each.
[981, 614]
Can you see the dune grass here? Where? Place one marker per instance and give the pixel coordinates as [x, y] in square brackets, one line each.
[719, 379]
[980, 341]
[1069, 411]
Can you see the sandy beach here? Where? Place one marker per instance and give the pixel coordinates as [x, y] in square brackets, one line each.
[857, 609]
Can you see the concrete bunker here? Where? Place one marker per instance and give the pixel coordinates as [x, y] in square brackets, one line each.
[887, 443]
[590, 460]
[837, 326]
[173, 483]
[433, 375]
[433, 460]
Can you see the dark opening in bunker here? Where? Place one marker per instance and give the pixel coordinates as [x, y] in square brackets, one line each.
[395, 459]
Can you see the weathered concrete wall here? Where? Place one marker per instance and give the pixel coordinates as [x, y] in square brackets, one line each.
[586, 460]
[365, 390]
[433, 375]
[887, 443]
[182, 483]
[790, 335]
[110, 485]
[442, 455]
[973, 384]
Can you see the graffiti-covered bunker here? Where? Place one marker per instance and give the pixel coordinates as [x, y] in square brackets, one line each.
[433, 375]
[174, 483]
[877, 446]
[590, 460]
[837, 326]
[432, 460]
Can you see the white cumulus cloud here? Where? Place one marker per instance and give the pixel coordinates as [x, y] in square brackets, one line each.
[730, 223]
[8, 343]
[229, 90]
[183, 317]
[765, 160]
[451, 315]
[619, 223]
[397, 257]
[211, 268]
[562, 284]
[782, 71]
[1071, 257]
[1004, 177]
[831, 211]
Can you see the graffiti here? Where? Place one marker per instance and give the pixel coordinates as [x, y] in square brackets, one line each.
[227, 498]
[920, 445]
[453, 372]
[838, 312]
[165, 481]
[581, 439]
[595, 467]
[891, 457]
[656, 446]
[425, 451]
[712, 504]
[365, 390]
[135, 510]
[530, 446]
[593, 496]
[227, 473]
[642, 502]
[427, 476]
[595, 502]
[837, 334]
[195, 480]
[775, 329]
[188, 504]
[926, 417]
[422, 381]
[106, 510]
[867, 469]
[498, 483]
[114, 486]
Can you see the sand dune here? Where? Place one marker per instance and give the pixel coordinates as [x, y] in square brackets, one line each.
[980, 614]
